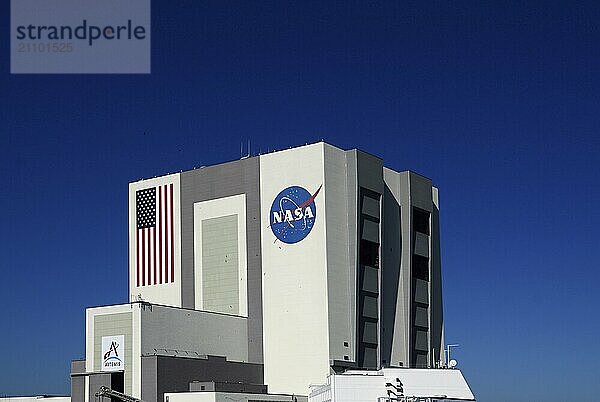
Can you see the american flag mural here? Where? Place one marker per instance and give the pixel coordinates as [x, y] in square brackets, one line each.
[155, 261]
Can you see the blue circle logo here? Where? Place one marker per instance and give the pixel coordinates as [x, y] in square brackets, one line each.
[293, 214]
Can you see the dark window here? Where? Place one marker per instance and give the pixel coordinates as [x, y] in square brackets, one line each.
[420, 221]
[420, 267]
[369, 253]
[117, 383]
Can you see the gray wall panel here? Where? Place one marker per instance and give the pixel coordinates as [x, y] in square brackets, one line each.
[420, 191]
[77, 389]
[77, 382]
[370, 281]
[233, 178]
[370, 359]
[370, 332]
[437, 310]
[352, 235]
[421, 360]
[421, 291]
[421, 244]
[414, 191]
[96, 381]
[421, 340]
[405, 272]
[149, 380]
[371, 207]
[391, 303]
[370, 231]
[340, 272]
[401, 237]
[370, 171]
[421, 317]
[191, 332]
[220, 265]
[77, 366]
[370, 307]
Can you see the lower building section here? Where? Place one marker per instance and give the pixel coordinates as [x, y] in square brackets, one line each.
[163, 374]
[225, 396]
[144, 350]
[84, 385]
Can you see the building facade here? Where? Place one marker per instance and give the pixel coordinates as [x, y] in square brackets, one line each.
[277, 269]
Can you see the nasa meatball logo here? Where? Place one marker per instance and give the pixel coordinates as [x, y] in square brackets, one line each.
[293, 214]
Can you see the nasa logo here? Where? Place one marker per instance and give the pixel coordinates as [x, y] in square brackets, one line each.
[293, 214]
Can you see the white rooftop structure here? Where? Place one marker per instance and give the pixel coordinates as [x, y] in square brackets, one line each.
[394, 384]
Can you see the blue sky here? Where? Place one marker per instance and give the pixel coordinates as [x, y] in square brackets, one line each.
[497, 103]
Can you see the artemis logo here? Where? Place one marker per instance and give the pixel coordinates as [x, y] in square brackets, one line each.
[293, 214]
[112, 353]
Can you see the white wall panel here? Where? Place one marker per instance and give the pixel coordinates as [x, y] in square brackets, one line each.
[168, 292]
[296, 338]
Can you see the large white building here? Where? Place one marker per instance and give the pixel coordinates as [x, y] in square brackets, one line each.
[278, 269]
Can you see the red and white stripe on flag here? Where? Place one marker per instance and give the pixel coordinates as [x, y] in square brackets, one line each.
[155, 246]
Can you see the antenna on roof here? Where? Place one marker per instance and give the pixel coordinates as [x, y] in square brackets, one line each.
[242, 156]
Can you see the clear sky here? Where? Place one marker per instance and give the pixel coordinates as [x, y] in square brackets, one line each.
[498, 103]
